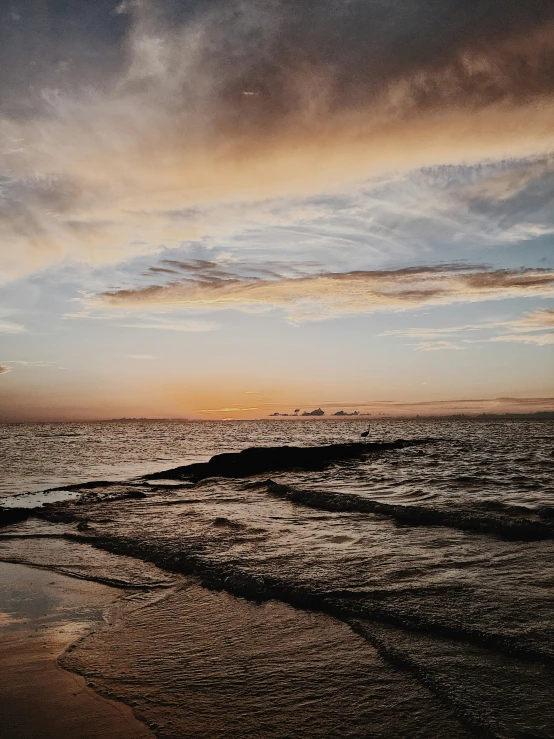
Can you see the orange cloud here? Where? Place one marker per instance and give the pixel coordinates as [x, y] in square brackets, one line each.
[327, 295]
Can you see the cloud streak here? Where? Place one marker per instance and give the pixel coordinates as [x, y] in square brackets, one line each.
[7, 327]
[535, 328]
[156, 323]
[328, 294]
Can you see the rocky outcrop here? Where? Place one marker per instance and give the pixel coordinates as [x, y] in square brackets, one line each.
[260, 460]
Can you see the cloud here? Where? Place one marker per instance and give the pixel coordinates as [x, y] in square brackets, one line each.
[432, 333]
[4, 369]
[165, 107]
[7, 327]
[228, 410]
[538, 320]
[469, 406]
[155, 323]
[31, 363]
[538, 339]
[536, 328]
[328, 294]
[433, 346]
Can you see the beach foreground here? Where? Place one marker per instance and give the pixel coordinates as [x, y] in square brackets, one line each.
[41, 614]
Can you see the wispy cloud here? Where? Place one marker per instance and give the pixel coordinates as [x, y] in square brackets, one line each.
[536, 328]
[469, 406]
[10, 363]
[7, 327]
[156, 323]
[331, 294]
[29, 363]
[539, 320]
[4, 369]
[434, 346]
[232, 409]
[453, 406]
[537, 339]
[433, 333]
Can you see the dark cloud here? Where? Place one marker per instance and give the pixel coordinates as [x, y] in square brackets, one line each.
[53, 44]
[477, 51]
[289, 55]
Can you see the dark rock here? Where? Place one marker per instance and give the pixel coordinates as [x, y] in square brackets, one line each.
[259, 460]
[136, 494]
[13, 515]
[222, 522]
[83, 486]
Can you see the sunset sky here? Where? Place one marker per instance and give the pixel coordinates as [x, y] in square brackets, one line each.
[224, 209]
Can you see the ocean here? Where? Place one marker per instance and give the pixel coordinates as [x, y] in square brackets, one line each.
[405, 591]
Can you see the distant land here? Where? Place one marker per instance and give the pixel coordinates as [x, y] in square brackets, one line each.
[538, 415]
[379, 417]
[317, 412]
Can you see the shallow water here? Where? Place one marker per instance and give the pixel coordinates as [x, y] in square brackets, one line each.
[39, 456]
[498, 460]
[427, 614]
[218, 666]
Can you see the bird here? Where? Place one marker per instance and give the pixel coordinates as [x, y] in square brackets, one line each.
[365, 434]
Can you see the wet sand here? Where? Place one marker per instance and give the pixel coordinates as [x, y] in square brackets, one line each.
[41, 614]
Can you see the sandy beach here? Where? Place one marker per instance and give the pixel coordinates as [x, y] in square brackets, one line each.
[41, 614]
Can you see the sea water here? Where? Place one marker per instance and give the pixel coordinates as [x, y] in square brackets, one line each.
[302, 614]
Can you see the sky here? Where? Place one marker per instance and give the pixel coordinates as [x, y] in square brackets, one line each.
[232, 208]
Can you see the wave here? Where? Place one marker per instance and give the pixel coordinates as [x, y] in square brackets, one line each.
[217, 544]
[345, 604]
[485, 692]
[522, 528]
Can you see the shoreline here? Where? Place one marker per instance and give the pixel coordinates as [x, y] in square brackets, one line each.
[42, 614]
